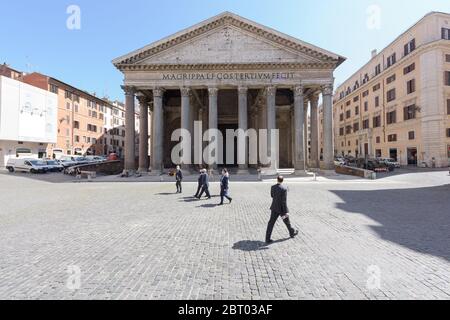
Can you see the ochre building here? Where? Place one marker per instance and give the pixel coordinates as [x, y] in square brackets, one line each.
[398, 104]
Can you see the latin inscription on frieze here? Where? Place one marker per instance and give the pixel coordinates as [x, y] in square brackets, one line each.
[240, 76]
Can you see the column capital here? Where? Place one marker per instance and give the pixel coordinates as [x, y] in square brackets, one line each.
[271, 91]
[185, 91]
[129, 90]
[298, 90]
[143, 99]
[314, 99]
[158, 92]
[242, 90]
[327, 89]
[213, 91]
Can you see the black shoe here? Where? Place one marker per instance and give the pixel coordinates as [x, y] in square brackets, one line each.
[269, 241]
[293, 235]
[208, 198]
[231, 200]
[220, 204]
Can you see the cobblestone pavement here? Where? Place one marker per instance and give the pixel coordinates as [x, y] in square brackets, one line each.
[384, 239]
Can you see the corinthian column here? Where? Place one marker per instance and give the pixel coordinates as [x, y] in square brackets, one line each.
[130, 166]
[143, 134]
[271, 127]
[186, 127]
[213, 117]
[243, 126]
[328, 151]
[158, 132]
[306, 132]
[299, 130]
[314, 132]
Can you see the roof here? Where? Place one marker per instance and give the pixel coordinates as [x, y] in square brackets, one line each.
[226, 18]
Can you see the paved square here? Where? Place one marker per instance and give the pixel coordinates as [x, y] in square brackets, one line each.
[360, 239]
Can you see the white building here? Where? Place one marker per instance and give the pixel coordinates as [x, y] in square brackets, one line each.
[28, 120]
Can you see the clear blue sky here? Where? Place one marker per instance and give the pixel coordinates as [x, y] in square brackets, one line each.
[34, 36]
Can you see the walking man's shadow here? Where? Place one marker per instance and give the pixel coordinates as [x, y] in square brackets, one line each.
[248, 245]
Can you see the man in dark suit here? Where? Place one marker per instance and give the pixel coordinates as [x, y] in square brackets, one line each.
[279, 209]
[199, 186]
[205, 184]
[179, 179]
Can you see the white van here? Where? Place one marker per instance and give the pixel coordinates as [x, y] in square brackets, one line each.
[26, 165]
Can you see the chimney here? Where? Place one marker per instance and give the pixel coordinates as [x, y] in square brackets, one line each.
[374, 53]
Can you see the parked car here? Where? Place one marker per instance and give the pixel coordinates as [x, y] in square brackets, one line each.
[95, 159]
[339, 161]
[390, 162]
[67, 161]
[26, 165]
[373, 165]
[81, 160]
[54, 166]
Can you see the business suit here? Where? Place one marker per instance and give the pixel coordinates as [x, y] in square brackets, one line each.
[205, 186]
[199, 186]
[279, 208]
[224, 188]
[179, 178]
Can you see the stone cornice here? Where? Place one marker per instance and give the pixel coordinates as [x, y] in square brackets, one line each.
[228, 19]
[226, 67]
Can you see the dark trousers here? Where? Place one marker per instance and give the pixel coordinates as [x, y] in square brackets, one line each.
[273, 219]
[178, 184]
[224, 194]
[198, 191]
[205, 189]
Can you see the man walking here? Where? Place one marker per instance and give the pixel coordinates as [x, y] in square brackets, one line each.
[279, 209]
[205, 185]
[199, 186]
[179, 179]
[225, 187]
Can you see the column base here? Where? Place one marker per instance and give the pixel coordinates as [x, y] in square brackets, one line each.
[128, 173]
[155, 173]
[243, 171]
[300, 173]
[142, 171]
[269, 172]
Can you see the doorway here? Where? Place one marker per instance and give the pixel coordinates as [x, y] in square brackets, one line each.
[223, 130]
[412, 156]
[393, 154]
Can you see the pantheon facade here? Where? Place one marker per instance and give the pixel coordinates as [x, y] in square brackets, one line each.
[229, 73]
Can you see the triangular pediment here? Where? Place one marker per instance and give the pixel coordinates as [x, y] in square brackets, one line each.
[228, 39]
[228, 44]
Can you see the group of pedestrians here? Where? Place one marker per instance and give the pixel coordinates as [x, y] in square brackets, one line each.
[203, 185]
[278, 193]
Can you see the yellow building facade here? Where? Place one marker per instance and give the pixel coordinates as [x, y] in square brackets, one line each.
[398, 104]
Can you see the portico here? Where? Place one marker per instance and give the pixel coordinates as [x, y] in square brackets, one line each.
[229, 73]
